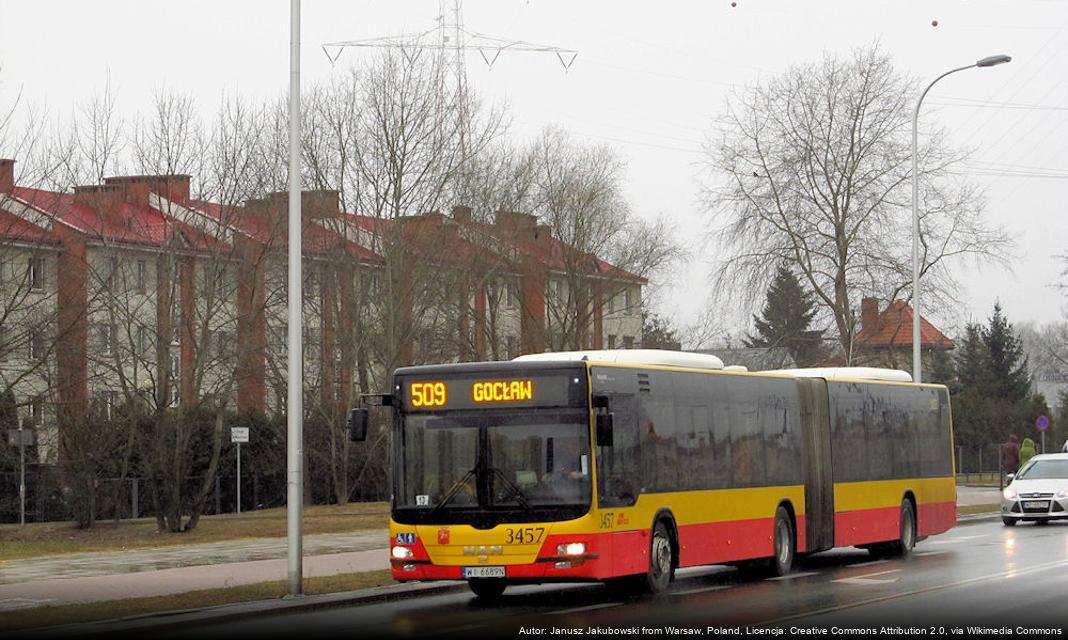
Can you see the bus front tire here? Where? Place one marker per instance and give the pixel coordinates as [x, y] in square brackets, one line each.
[487, 588]
[661, 565]
[785, 548]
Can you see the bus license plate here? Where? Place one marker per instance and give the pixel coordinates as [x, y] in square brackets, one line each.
[1036, 504]
[483, 572]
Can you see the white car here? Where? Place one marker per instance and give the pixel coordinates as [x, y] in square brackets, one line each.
[1039, 492]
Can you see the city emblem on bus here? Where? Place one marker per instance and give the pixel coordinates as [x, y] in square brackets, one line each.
[443, 536]
[622, 519]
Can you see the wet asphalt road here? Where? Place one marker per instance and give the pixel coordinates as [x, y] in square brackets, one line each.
[980, 573]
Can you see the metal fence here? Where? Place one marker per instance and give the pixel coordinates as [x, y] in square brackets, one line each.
[48, 499]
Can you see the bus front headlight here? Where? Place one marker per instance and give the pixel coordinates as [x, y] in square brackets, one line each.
[571, 549]
[402, 553]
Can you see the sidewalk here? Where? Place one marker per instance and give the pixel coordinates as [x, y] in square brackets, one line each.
[95, 577]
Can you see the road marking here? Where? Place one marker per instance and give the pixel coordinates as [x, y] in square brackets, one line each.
[869, 578]
[687, 592]
[930, 553]
[954, 540]
[870, 563]
[791, 576]
[1012, 573]
[586, 608]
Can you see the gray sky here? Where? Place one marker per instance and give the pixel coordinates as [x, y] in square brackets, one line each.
[648, 81]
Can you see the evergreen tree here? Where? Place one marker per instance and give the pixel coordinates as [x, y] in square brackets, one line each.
[973, 360]
[1009, 378]
[785, 320]
[658, 333]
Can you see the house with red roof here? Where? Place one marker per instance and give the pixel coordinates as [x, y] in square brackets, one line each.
[885, 337]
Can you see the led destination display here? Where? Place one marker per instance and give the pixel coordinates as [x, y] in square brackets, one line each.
[476, 393]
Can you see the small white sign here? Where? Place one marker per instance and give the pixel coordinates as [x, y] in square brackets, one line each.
[238, 434]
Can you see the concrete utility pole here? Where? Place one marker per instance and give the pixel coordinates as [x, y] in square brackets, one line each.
[295, 399]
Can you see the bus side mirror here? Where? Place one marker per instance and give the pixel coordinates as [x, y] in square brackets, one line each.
[358, 425]
[604, 422]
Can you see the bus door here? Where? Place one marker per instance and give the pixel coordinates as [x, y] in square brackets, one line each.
[816, 459]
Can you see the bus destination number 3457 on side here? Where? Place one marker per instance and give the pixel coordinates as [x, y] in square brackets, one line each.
[622, 466]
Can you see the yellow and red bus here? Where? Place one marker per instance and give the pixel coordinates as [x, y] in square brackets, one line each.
[622, 466]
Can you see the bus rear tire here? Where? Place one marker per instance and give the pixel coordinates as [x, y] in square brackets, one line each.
[661, 560]
[907, 531]
[782, 562]
[487, 589]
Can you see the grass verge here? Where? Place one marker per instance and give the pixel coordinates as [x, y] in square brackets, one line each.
[51, 538]
[976, 509]
[114, 609]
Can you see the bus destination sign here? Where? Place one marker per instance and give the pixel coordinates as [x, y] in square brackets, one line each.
[468, 393]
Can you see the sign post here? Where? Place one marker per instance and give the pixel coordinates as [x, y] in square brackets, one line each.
[21, 438]
[1042, 424]
[238, 435]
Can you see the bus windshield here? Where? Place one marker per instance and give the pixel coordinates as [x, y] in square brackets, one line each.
[524, 463]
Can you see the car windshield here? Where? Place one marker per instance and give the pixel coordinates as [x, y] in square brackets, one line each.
[1045, 470]
[485, 460]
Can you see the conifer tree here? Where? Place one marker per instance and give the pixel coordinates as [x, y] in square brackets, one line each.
[1009, 377]
[785, 320]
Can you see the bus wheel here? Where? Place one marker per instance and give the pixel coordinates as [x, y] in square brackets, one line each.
[661, 570]
[487, 588]
[783, 562]
[907, 540]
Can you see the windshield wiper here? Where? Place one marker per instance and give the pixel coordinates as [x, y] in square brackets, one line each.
[453, 489]
[519, 495]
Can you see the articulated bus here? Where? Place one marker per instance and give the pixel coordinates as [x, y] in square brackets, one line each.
[623, 466]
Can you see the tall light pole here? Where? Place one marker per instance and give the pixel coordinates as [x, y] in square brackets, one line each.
[916, 370]
[294, 400]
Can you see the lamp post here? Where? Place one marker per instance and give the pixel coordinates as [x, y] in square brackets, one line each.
[989, 61]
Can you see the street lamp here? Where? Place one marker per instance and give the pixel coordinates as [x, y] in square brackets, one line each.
[989, 61]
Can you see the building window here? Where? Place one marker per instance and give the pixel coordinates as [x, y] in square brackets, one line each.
[111, 402]
[112, 272]
[176, 395]
[628, 342]
[142, 338]
[108, 338]
[176, 366]
[611, 341]
[513, 294]
[142, 276]
[631, 300]
[36, 411]
[612, 303]
[37, 273]
[36, 344]
[554, 290]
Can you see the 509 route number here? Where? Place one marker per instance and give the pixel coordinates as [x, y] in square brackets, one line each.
[524, 535]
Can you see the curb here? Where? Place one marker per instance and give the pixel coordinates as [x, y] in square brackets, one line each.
[188, 618]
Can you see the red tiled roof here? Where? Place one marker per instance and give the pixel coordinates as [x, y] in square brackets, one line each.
[142, 224]
[15, 229]
[273, 232]
[894, 329]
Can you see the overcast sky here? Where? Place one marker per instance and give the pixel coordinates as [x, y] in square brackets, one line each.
[649, 80]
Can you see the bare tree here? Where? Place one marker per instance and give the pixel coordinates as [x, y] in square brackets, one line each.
[812, 168]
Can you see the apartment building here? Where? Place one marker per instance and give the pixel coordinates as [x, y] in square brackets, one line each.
[131, 290]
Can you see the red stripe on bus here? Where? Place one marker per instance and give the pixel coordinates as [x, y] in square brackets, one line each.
[865, 526]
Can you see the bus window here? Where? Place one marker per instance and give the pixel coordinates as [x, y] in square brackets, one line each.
[747, 434]
[619, 465]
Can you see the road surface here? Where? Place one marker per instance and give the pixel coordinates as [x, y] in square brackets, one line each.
[978, 575]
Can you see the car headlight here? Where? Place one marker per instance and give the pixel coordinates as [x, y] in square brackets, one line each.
[1063, 493]
[401, 552]
[571, 549]
[1009, 493]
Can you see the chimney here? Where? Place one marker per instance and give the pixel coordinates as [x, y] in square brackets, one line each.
[7, 175]
[107, 199]
[869, 314]
[461, 214]
[521, 225]
[319, 204]
[543, 234]
[136, 188]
